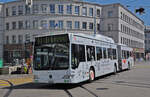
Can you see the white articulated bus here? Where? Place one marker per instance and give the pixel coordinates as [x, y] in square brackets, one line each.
[73, 58]
[125, 57]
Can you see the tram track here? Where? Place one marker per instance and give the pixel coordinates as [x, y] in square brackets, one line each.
[70, 93]
[10, 88]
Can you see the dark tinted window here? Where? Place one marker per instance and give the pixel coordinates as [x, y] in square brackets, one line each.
[105, 53]
[78, 55]
[99, 53]
[90, 53]
[110, 53]
[114, 53]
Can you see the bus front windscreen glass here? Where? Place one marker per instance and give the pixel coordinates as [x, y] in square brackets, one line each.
[53, 56]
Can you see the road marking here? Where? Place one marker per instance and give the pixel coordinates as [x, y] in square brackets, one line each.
[16, 81]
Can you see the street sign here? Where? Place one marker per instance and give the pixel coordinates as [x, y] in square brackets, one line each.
[1, 63]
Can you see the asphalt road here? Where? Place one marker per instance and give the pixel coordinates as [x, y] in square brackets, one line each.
[130, 83]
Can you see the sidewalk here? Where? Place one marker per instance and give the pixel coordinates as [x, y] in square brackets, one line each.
[5, 80]
[10, 76]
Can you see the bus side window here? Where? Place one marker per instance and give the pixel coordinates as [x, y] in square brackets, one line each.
[90, 53]
[78, 55]
[128, 54]
[114, 54]
[75, 51]
[109, 53]
[105, 53]
[81, 53]
[99, 53]
[125, 54]
[122, 53]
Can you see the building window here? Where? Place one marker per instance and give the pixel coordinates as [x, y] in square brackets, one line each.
[43, 24]
[84, 11]
[52, 24]
[20, 39]
[13, 25]
[69, 24]
[35, 24]
[121, 28]
[7, 12]
[60, 24]
[110, 13]
[44, 8]
[27, 24]
[35, 8]
[27, 9]
[60, 9]
[7, 39]
[84, 25]
[13, 10]
[69, 9]
[121, 15]
[20, 10]
[91, 26]
[20, 24]
[7, 26]
[121, 40]
[77, 25]
[13, 39]
[52, 8]
[90, 11]
[77, 10]
[98, 12]
[110, 27]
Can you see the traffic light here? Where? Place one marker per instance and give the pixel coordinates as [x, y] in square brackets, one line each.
[140, 10]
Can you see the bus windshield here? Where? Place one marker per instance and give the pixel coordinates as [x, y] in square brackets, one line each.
[51, 56]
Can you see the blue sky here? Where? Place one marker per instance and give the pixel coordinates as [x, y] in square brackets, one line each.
[134, 4]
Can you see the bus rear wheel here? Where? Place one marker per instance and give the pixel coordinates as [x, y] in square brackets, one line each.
[91, 75]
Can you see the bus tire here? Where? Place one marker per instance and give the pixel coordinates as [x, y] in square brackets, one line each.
[91, 75]
[115, 69]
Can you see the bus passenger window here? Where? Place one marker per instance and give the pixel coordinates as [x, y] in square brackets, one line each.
[123, 54]
[90, 53]
[105, 53]
[78, 55]
[109, 53]
[74, 53]
[128, 54]
[81, 53]
[99, 53]
[114, 54]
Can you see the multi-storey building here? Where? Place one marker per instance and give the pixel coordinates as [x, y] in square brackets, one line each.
[22, 23]
[1, 31]
[147, 39]
[45, 17]
[124, 27]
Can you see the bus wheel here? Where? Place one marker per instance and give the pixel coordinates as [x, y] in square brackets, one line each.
[91, 75]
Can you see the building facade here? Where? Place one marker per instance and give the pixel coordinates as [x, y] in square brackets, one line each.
[1, 31]
[21, 23]
[147, 39]
[124, 27]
